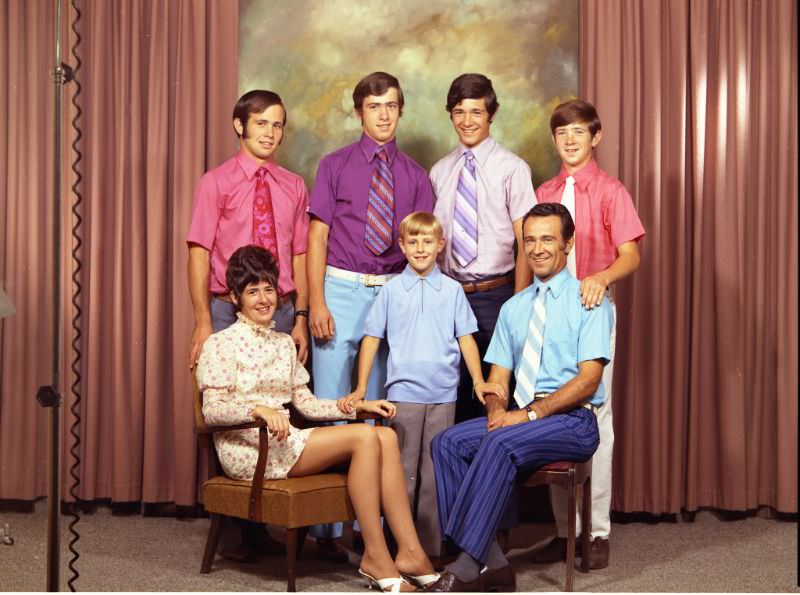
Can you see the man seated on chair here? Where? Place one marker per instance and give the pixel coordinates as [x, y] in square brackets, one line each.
[556, 350]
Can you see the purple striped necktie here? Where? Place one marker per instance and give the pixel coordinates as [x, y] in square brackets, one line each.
[380, 209]
[465, 213]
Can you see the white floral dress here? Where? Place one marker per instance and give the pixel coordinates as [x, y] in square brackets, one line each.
[246, 365]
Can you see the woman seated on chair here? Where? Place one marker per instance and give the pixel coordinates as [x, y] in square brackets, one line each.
[249, 371]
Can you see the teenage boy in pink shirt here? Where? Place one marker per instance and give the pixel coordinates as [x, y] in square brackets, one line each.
[606, 250]
[250, 199]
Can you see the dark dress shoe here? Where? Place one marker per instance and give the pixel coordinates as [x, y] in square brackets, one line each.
[329, 550]
[450, 583]
[239, 553]
[499, 580]
[555, 551]
[600, 551]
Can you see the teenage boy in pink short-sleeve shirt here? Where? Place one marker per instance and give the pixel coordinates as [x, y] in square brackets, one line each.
[606, 250]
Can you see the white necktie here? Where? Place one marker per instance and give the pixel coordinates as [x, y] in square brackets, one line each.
[568, 200]
[532, 352]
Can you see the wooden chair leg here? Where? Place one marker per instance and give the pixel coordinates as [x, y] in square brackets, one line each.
[586, 522]
[211, 543]
[301, 539]
[291, 557]
[571, 514]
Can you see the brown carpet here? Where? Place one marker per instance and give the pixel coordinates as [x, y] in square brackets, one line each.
[137, 553]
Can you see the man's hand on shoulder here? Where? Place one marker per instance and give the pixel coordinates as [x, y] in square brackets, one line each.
[199, 335]
[508, 418]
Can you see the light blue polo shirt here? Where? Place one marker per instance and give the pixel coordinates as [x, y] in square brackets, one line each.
[572, 334]
[421, 318]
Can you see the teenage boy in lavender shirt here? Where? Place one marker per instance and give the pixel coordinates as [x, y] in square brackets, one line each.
[360, 195]
[428, 323]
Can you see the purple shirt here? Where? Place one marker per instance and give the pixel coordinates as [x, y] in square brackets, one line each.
[339, 199]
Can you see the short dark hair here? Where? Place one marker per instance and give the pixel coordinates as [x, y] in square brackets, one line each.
[255, 102]
[250, 264]
[576, 110]
[376, 83]
[472, 86]
[547, 209]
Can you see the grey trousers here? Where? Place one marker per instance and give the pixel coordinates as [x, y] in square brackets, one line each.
[415, 425]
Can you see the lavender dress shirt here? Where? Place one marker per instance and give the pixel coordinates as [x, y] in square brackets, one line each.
[339, 198]
[505, 193]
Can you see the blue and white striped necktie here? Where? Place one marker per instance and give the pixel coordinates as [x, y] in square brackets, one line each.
[532, 352]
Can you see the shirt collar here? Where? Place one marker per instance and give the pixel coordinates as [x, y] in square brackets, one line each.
[250, 166]
[582, 177]
[409, 278]
[556, 284]
[369, 147]
[259, 330]
[481, 151]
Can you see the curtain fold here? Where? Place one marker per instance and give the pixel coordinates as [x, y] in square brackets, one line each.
[151, 73]
[699, 105]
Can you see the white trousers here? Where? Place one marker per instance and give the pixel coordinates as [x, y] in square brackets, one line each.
[601, 464]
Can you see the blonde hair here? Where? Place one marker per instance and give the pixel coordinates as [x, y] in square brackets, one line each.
[420, 222]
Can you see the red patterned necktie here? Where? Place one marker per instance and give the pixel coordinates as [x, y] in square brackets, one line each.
[380, 210]
[263, 216]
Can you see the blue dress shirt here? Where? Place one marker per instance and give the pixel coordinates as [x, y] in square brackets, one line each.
[421, 318]
[572, 334]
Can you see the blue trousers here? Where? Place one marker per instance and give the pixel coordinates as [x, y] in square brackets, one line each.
[333, 360]
[476, 470]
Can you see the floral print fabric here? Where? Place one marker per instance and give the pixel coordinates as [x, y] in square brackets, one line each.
[246, 365]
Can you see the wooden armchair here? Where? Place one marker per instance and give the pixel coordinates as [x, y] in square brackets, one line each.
[292, 503]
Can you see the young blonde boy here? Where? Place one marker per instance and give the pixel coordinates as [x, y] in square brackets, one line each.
[428, 324]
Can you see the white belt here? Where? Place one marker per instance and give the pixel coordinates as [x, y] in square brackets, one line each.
[540, 396]
[363, 278]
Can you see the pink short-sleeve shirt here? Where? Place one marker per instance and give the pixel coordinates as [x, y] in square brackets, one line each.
[605, 217]
[222, 218]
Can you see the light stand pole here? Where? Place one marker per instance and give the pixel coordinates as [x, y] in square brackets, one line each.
[48, 396]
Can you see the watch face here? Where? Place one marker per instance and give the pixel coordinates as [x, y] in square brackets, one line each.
[531, 415]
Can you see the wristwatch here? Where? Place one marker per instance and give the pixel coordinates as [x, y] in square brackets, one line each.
[531, 413]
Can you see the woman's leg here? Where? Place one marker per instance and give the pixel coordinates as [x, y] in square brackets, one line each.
[358, 443]
[411, 556]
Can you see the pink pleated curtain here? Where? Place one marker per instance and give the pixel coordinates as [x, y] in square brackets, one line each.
[698, 101]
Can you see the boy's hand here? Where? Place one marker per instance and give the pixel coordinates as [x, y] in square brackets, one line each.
[347, 404]
[382, 407]
[489, 388]
[593, 289]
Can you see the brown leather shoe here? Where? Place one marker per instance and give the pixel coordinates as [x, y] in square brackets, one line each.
[500, 580]
[330, 550]
[600, 551]
[239, 553]
[450, 583]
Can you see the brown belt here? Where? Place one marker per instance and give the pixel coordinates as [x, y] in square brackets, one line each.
[473, 286]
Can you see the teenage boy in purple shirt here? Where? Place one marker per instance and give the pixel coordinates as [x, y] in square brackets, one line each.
[360, 195]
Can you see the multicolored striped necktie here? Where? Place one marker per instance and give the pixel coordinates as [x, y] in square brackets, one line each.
[264, 233]
[532, 352]
[380, 210]
[465, 213]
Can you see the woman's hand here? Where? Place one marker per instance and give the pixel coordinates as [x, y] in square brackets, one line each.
[277, 421]
[347, 404]
[383, 408]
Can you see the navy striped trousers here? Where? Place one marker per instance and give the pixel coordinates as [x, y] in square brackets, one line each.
[476, 470]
